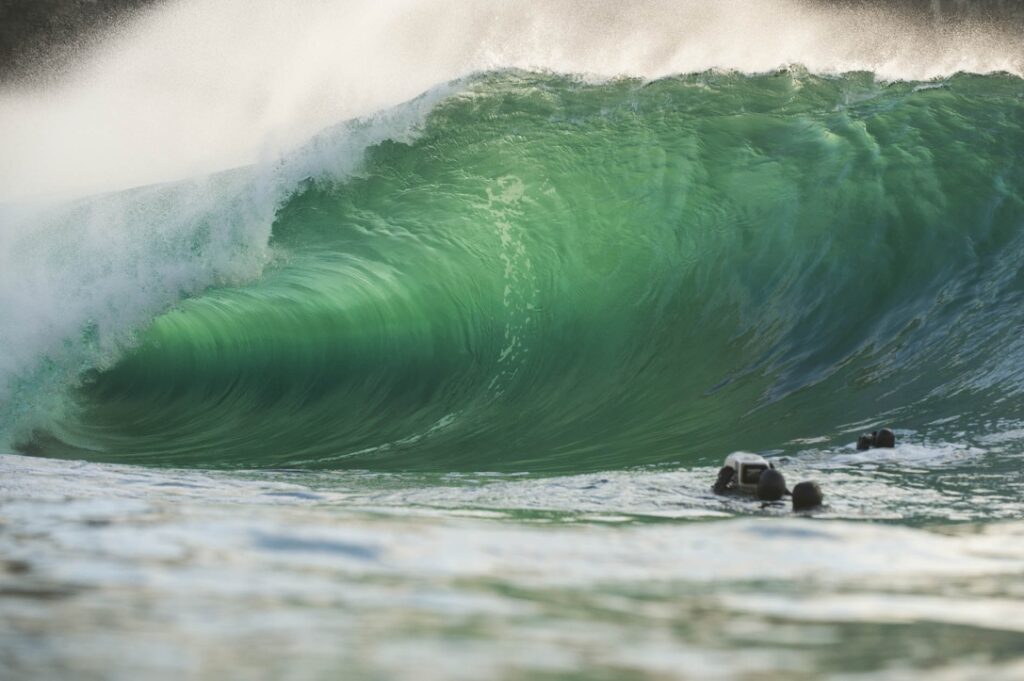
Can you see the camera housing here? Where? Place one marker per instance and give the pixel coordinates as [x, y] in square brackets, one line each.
[748, 469]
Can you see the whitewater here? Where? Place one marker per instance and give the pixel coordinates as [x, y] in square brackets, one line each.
[405, 341]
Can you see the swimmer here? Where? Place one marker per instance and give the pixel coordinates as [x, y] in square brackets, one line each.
[752, 474]
[885, 438]
[807, 495]
[878, 438]
[771, 486]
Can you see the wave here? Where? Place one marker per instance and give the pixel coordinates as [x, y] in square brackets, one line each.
[529, 271]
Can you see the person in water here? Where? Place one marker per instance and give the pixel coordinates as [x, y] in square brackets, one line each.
[771, 486]
[806, 496]
[878, 438]
[741, 470]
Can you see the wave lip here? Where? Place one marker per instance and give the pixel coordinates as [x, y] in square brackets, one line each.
[188, 87]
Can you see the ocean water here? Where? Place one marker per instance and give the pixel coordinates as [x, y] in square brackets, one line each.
[406, 342]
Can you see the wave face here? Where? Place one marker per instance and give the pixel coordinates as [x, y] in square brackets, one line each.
[560, 275]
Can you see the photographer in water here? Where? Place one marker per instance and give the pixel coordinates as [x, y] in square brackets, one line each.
[752, 474]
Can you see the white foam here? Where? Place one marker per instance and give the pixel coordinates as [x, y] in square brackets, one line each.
[192, 87]
[79, 279]
[930, 454]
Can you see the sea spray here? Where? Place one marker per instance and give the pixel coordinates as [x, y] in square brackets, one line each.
[192, 87]
[81, 278]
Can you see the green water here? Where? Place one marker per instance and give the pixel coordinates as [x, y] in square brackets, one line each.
[553, 275]
[473, 376]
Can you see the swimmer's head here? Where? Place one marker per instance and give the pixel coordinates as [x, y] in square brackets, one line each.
[771, 485]
[807, 495]
[885, 438]
[865, 441]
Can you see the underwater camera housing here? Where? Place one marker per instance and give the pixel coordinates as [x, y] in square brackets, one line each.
[748, 469]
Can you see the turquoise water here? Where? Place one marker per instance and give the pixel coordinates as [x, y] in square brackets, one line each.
[439, 392]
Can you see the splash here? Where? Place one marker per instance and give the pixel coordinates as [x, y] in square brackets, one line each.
[191, 87]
